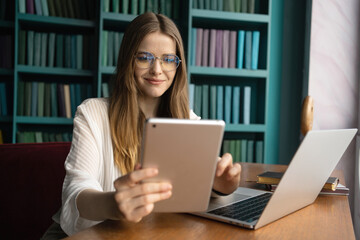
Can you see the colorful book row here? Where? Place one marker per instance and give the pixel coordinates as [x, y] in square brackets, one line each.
[111, 42]
[225, 48]
[245, 150]
[81, 9]
[39, 137]
[229, 103]
[44, 99]
[169, 8]
[6, 51]
[244, 6]
[3, 100]
[55, 50]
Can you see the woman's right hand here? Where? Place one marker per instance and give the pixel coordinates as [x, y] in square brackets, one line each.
[135, 199]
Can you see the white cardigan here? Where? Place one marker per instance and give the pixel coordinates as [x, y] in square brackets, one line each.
[90, 163]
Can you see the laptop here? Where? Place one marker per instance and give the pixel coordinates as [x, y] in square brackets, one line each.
[312, 164]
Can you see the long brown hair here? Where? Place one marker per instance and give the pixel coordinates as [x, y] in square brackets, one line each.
[125, 115]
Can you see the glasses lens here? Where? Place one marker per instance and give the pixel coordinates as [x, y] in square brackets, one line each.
[170, 62]
[144, 60]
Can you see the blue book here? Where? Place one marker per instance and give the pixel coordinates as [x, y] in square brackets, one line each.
[247, 105]
[248, 49]
[34, 99]
[193, 47]
[205, 101]
[191, 95]
[240, 49]
[30, 48]
[77, 94]
[236, 105]
[212, 101]
[72, 100]
[37, 49]
[259, 149]
[243, 152]
[250, 151]
[227, 104]
[255, 49]
[219, 102]
[220, 5]
[201, 4]
[3, 102]
[214, 5]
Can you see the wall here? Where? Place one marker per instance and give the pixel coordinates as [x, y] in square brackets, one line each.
[333, 72]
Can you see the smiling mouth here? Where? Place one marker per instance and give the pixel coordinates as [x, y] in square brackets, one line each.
[154, 81]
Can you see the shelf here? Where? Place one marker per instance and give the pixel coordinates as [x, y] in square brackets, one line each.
[6, 119]
[6, 72]
[232, 72]
[59, 22]
[221, 19]
[245, 128]
[6, 24]
[116, 21]
[53, 71]
[44, 120]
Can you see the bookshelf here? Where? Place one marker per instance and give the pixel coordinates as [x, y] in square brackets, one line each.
[101, 23]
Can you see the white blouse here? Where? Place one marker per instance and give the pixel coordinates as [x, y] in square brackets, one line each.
[90, 162]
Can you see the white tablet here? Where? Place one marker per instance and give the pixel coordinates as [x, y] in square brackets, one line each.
[186, 153]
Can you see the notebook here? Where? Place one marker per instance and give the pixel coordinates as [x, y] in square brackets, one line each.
[312, 164]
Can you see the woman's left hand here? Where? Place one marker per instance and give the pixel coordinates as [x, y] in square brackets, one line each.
[227, 176]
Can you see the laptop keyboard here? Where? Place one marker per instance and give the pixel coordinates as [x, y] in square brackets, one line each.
[246, 210]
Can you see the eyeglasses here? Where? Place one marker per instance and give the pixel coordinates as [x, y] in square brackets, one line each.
[169, 62]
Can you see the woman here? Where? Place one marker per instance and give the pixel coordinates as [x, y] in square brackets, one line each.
[103, 179]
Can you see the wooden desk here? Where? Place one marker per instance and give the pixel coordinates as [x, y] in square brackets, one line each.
[327, 218]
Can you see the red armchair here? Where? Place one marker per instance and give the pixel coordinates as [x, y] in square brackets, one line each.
[31, 177]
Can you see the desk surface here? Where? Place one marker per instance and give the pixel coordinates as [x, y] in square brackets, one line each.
[327, 218]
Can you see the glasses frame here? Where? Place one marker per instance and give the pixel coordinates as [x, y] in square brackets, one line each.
[160, 59]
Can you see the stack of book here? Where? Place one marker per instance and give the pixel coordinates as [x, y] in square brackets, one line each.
[332, 185]
[169, 8]
[81, 9]
[225, 48]
[43, 99]
[111, 42]
[244, 150]
[229, 103]
[40, 136]
[244, 6]
[55, 50]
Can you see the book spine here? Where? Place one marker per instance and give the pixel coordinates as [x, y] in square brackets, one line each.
[219, 47]
[205, 101]
[247, 104]
[212, 97]
[240, 49]
[236, 105]
[205, 48]
[255, 50]
[227, 104]
[219, 102]
[199, 44]
[248, 49]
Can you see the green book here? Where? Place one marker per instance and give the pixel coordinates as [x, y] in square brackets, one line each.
[59, 8]
[251, 6]
[198, 99]
[44, 44]
[79, 49]
[213, 90]
[104, 48]
[250, 151]
[59, 50]
[45, 9]
[214, 5]
[22, 8]
[115, 6]
[156, 6]
[134, 7]
[207, 4]
[38, 137]
[58, 137]
[51, 5]
[52, 137]
[47, 100]
[168, 9]
[105, 89]
[37, 48]
[30, 48]
[106, 6]
[110, 49]
[27, 99]
[22, 47]
[226, 146]
[259, 152]
[237, 156]
[244, 6]
[71, 10]
[142, 6]
[53, 97]
[233, 148]
[46, 137]
[21, 97]
[162, 6]
[149, 5]
[40, 100]
[205, 101]
[125, 6]
[51, 50]
[243, 150]
[20, 137]
[237, 5]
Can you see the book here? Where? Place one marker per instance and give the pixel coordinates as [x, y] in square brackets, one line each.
[34, 98]
[22, 8]
[72, 99]
[244, 148]
[199, 44]
[22, 47]
[43, 50]
[47, 100]
[105, 89]
[227, 104]
[115, 6]
[51, 5]
[30, 48]
[134, 7]
[240, 49]
[30, 6]
[191, 95]
[212, 47]
[248, 49]
[219, 102]
[21, 98]
[45, 8]
[59, 50]
[193, 47]
[205, 101]
[244, 7]
[273, 178]
[218, 49]
[38, 7]
[27, 99]
[255, 50]
[40, 100]
[37, 49]
[198, 99]
[67, 100]
[142, 6]
[53, 97]
[212, 102]
[247, 105]
[110, 48]
[232, 49]
[79, 49]
[259, 152]
[205, 48]
[1, 137]
[250, 151]
[225, 49]
[51, 50]
[61, 100]
[125, 6]
[73, 52]
[236, 105]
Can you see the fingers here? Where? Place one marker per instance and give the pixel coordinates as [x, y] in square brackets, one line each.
[143, 189]
[224, 163]
[234, 172]
[131, 179]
